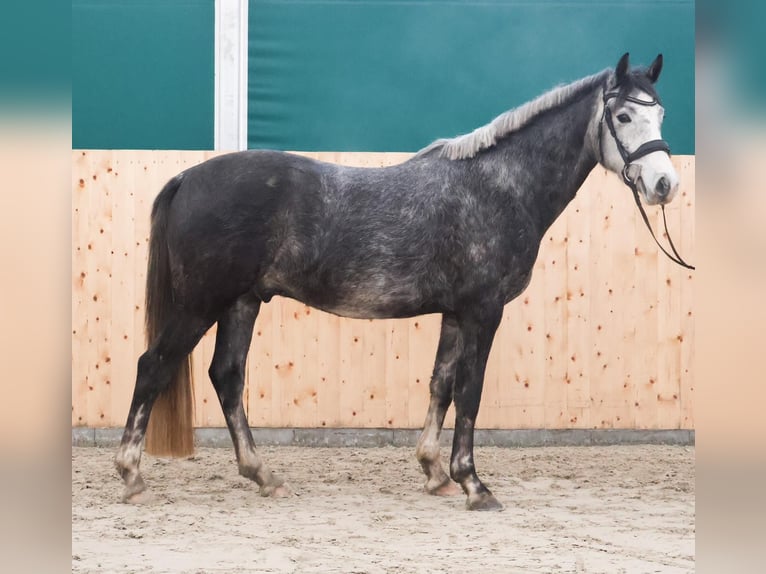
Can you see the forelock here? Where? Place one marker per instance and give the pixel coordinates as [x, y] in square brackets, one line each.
[636, 80]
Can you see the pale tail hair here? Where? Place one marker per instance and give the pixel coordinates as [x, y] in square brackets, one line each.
[170, 431]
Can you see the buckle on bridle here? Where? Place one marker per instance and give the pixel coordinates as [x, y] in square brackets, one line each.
[626, 178]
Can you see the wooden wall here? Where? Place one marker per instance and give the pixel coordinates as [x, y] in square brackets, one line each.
[602, 338]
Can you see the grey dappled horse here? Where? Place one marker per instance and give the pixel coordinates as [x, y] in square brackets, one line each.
[454, 230]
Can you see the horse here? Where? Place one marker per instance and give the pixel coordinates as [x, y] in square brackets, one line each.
[453, 230]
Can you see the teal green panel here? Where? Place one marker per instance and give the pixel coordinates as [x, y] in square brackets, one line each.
[379, 75]
[143, 74]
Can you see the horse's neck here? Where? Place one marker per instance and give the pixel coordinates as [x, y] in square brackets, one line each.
[549, 159]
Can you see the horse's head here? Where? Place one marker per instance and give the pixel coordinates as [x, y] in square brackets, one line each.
[629, 132]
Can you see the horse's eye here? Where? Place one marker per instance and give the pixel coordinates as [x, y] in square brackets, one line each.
[624, 118]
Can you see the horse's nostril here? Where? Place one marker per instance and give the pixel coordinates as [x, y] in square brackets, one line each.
[663, 187]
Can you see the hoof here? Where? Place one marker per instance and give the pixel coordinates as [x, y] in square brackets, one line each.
[138, 498]
[133, 492]
[446, 488]
[484, 501]
[282, 491]
[276, 491]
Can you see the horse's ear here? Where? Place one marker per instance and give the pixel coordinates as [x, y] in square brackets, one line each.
[654, 70]
[622, 67]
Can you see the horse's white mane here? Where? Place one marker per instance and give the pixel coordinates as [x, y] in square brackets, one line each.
[468, 145]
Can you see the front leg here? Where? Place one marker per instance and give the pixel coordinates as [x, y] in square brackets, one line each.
[477, 329]
[442, 382]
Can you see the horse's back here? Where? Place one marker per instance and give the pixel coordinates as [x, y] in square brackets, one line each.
[365, 242]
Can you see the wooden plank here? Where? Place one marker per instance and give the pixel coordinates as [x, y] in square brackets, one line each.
[374, 365]
[533, 328]
[622, 298]
[645, 369]
[554, 284]
[328, 370]
[123, 364]
[494, 380]
[147, 182]
[278, 395]
[207, 407]
[99, 293]
[350, 375]
[313, 353]
[528, 367]
[396, 376]
[423, 340]
[306, 335]
[261, 367]
[510, 362]
[287, 352]
[497, 379]
[577, 316]
[80, 280]
[669, 337]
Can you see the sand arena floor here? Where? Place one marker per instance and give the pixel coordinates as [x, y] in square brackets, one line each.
[567, 509]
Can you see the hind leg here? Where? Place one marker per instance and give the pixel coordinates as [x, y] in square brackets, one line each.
[227, 372]
[442, 381]
[156, 368]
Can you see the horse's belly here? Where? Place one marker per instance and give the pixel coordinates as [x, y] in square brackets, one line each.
[361, 298]
[399, 310]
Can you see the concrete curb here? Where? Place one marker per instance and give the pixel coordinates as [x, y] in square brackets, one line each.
[363, 438]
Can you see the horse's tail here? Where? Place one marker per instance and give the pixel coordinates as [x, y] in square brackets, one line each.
[170, 431]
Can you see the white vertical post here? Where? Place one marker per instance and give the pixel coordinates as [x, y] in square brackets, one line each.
[230, 74]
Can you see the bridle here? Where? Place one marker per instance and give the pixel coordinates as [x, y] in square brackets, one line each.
[629, 157]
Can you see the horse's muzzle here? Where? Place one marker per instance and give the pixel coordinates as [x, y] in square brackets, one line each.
[662, 193]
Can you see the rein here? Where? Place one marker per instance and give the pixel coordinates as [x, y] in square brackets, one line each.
[628, 157]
